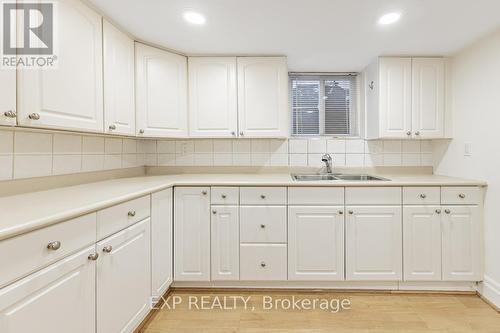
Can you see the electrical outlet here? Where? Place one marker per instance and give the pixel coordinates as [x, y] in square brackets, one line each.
[468, 149]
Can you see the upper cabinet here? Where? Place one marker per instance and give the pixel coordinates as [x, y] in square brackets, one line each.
[69, 96]
[212, 97]
[8, 97]
[263, 97]
[405, 98]
[161, 92]
[119, 96]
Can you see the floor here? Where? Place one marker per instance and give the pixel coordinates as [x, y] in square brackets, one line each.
[206, 312]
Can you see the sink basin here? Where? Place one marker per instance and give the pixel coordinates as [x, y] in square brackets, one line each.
[336, 176]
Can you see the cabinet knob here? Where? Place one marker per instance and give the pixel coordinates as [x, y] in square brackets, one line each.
[262, 264]
[371, 85]
[141, 131]
[233, 133]
[10, 114]
[438, 211]
[241, 133]
[214, 212]
[223, 196]
[461, 196]
[131, 213]
[107, 249]
[341, 212]
[204, 192]
[408, 133]
[112, 127]
[447, 211]
[34, 116]
[351, 212]
[262, 226]
[262, 196]
[423, 196]
[93, 256]
[56, 245]
[417, 133]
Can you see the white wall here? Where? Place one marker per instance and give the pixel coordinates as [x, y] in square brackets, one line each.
[476, 112]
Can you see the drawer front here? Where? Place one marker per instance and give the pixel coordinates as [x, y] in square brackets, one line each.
[26, 253]
[225, 195]
[330, 196]
[263, 195]
[373, 196]
[262, 224]
[421, 195]
[263, 262]
[460, 195]
[116, 218]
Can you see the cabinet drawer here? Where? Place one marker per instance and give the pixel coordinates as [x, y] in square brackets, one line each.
[116, 218]
[26, 253]
[460, 195]
[316, 196]
[225, 195]
[262, 224]
[263, 262]
[421, 195]
[373, 196]
[263, 195]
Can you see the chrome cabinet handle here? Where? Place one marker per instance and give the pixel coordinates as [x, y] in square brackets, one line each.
[438, 211]
[224, 196]
[34, 116]
[408, 133]
[351, 212]
[10, 114]
[214, 212]
[423, 196]
[141, 131]
[262, 196]
[93, 256]
[447, 211]
[204, 192]
[262, 264]
[417, 133]
[107, 249]
[233, 133]
[241, 133]
[461, 196]
[131, 213]
[56, 245]
[262, 226]
[112, 127]
[341, 212]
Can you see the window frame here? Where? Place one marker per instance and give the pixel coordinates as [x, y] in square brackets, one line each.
[354, 121]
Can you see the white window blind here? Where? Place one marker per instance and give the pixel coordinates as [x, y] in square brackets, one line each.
[323, 104]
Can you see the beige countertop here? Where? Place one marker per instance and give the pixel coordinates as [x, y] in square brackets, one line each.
[26, 212]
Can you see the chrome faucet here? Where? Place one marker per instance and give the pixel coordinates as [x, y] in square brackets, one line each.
[327, 159]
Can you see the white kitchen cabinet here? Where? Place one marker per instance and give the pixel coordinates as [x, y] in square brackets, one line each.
[225, 243]
[192, 234]
[405, 98]
[69, 96]
[119, 90]
[461, 243]
[422, 243]
[124, 279]
[213, 110]
[263, 97]
[161, 92]
[428, 99]
[374, 243]
[60, 297]
[161, 241]
[316, 243]
[8, 97]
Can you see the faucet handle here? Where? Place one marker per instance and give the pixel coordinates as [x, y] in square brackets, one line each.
[326, 157]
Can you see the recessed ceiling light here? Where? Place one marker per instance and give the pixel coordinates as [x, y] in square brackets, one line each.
[194, 18]
[389, 18]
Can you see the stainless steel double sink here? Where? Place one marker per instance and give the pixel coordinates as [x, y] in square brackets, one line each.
[335, 177]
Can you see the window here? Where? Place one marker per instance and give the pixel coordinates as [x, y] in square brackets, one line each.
[324, 104]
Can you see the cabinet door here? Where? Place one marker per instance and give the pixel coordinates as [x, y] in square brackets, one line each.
[161, 89]
[119, 91]
[374, 243]
[58, 298]
[461, 243]
[8, 97]
[422, 243]
[225, 243]
[212, 97]
[69, 96]
[395, 97]
[315, 243]
[161, 241]
[263, 97]
[428, 100]
[192, 234]
[124, 279]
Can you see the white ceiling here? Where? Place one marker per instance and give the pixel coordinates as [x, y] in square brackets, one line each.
[316, 35]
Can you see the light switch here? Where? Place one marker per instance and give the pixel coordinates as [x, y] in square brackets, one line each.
[468, 149]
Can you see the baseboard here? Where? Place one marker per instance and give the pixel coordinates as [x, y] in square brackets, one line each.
[489, 290]
[151, 314]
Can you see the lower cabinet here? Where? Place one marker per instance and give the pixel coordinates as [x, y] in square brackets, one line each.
[316, 243]
[263, 262]
[161, 241]
[58, 298]
[374, 243]
[225, 254]
[123, 279]
[192, 234]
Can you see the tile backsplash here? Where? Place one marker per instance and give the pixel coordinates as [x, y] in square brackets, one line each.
[25, 154]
